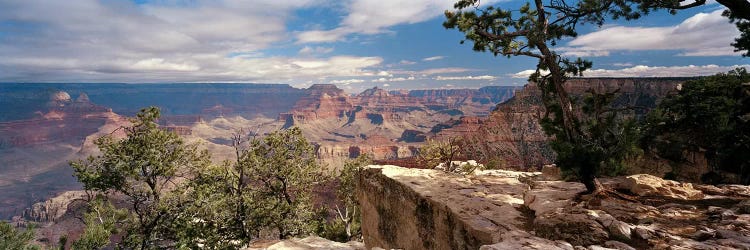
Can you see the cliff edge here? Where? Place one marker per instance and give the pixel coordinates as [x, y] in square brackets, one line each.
[495, 209]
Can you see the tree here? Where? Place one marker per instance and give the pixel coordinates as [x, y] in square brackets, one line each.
[588, 136]
[267, 190]
[710, 114]
[12, 239]
[347, 194]
[146, 168]
[435, 152]
[102, 221]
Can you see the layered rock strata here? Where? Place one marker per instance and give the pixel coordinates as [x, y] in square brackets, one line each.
[495, 209]
[429, 209]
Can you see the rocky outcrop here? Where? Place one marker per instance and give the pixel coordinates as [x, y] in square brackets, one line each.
[645, 184]
[309, 243]
[431, 209]
[496, 209]
[52, 209]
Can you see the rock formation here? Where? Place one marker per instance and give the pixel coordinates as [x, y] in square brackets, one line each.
[512, 131]
[497, 209]
[54, 208]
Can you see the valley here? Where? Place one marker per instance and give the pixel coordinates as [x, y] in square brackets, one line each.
[59, 122]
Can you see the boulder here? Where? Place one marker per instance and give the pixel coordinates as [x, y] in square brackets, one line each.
[649, 185]
[522, 240]
[576, 226]
[546, 196]
[743, 207]
[431, 209]
[311, 243]
[618, 245]
[551, 173]
[620, 230]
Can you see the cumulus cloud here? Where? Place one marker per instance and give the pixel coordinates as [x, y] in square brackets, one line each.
[347, 81]
[651, 71]
[704, 34]
[433, 71]
[376, 16]
[307, 50]
[461, 78]
[433, 58]
[395, 79]
[198, 40]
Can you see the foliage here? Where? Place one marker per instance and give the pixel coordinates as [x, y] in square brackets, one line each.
[102, 220]
[145, 168]
[12, 239]
[584, 145]
[710, 114]
[266, 190]
[348, 219]
[434, 152]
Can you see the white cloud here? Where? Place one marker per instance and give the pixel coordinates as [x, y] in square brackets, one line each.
[407, 62]
[662, 71]
[395, 79]
[376, 16]
[426, 72]
[526, 73]
[460, 78]
[386, 85]
[622, 64]
[307, 50]
[651, 71]
[347, 82]
[704, 34]
[198, 40]
[433, 58]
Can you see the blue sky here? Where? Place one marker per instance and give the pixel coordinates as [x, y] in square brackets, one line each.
[356, 44]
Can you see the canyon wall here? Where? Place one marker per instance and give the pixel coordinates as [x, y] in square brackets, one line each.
[513, 134]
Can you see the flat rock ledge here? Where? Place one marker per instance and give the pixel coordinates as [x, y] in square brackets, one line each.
[430, 209]
[495, 209]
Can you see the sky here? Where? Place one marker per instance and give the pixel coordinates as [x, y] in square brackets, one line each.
[355, 44]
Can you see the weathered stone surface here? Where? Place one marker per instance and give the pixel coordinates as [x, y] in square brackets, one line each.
[546, 196]
[743, 207]
[644, 184]
[551, 173]
[575, 225]
[430, 209]
[618, 245]
[523, 240]
[311, 243]
[52, 209]
[620, 230]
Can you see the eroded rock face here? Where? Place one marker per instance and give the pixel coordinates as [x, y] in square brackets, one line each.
[575, 225]
[512, 131]
[431, 209]
[547, 196]
[310, 243]
[645, 184]
[496, 209]
[54, 208]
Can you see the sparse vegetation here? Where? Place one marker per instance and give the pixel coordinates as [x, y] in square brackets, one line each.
[12, 239]
[709, 115]
[265, 193]
[146, 168]
[435, 152]
[349, 215]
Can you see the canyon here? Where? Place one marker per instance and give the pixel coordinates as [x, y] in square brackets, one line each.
[512, 136]
[44, 126]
